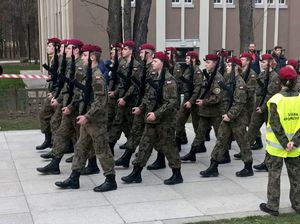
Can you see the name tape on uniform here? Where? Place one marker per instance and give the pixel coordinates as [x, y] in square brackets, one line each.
[24, 76]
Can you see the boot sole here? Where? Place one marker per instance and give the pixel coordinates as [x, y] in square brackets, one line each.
[177, 182]
[129, 182]
[112, 189]
[211, 175]
[90, 173]
[155, 168]
[68, 187]
[248, 175]
[50, 173]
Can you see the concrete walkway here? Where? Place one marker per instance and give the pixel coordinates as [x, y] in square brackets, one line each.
[27, 197]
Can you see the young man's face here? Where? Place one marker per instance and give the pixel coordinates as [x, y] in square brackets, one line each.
[85, 57]
[278, 51]
[188, 60]
[61, 49]
[210, 65]
[228, 67]
[142, 54]
[245, 62]
[157, 64]
[126, 52]
[251, 47]
[69, 50]
[264, 64]
[50, 49]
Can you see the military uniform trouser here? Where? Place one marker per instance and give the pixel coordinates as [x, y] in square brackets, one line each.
[274, 165]
[56, 120]
[122, 123]
[93, 136]
[164, 135]
[45, 116]
[183, 115]
[111, 111]
[204, 124]
[67, 131]
[238, 130]
[257, 120]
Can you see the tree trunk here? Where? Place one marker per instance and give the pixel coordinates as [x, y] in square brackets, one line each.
[114, 22]
[140, 24]
[246, 24]
[127, 20]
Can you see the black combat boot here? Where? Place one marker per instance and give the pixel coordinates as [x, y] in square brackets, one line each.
[48, 155]
[91, 168]
[247, 171]
[263, 207]
[124, 160]
[178, 143]
[123, 146]
[238, 155]
[69, 160]
[159, 163]
[47, 143]
[184, 139]
[226, 158]
[191, 156]
[176, 177]
[112, 146]
[72, 182]
[258, 144]
[261, 167]
[207, 135]
[212, 170]
[134, 176]
[51, 168]
[108, 185]
[200, 148]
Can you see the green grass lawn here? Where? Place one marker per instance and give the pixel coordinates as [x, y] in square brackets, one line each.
[18, 122]
[290, 218]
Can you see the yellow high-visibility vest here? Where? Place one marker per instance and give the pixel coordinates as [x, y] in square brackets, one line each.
[288, 109]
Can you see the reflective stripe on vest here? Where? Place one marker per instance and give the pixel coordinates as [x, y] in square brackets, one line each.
[288, 109]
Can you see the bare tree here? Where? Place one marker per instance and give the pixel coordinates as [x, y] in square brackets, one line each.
[246, 23]
[114, 22]
[127, 20]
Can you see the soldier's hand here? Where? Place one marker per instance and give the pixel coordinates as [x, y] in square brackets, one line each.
[136, 111]
[111, 94]
[258, 110]
[66, 111]
[54, 102]
[199, 102]
[151, 116]
[81, 120]
[188, 105]
[50, 96]
[225, 118]
[290, 146]
[121, 102]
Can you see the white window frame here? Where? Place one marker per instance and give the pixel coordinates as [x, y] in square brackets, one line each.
[177, 4]
[132, 3]
[219, 4]
[271, 4]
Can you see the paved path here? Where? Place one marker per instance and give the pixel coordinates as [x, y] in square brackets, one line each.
[27, 197]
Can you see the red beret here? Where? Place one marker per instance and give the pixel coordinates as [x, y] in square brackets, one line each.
[128, 43]
[223, 53]
[234, 60]
[76, 42]
[54, 40]
[64, 41]
[292, 62]
[161, 56]
[211, 57]
[91, 48]
[287, 73]
[117, 45]
[266, 57]
[192, 54]
[172, 49]
[246, 55]
[147, 46]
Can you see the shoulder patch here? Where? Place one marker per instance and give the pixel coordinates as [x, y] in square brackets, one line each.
[98, 77]
[178, 70]
[242, 87]
[252, 76]
[169, 82]
[135, 69]
[198, 72]
[80, 68]
[216, 91]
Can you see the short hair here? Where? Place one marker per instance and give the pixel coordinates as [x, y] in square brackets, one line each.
[97, 55]
[277, 47]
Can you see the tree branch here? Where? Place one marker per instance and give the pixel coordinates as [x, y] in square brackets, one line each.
[96, 4]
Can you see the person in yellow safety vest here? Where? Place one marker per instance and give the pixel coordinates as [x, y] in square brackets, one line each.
[283, 141]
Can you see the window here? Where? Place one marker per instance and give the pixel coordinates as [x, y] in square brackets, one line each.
[258, 2]
[270, 1]
[220, 1]
[179, 1]
[132, 3]
[187, 3]
[281, 2]
[271, 4]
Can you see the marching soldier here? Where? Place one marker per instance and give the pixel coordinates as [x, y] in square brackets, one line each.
[93, 126]
[159, 106]
[47, 110]
[295, 65]
[234, 121]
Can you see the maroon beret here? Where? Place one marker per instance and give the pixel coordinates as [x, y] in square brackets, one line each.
[266, 57]
[128, 43]
[211, 57]
[64, 41]
[76, 42]
[246, 55]
[91, 48]
[287, 73]
[192, 54]
[117, 45]
[172, 49]
[234, 60]
[292, 62]
[223, 53]
[147, 46]
[161, 56]
[53, 40]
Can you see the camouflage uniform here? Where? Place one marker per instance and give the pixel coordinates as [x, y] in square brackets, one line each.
[183, 113]
[210, 114]
[236, 126]
[45, 115]
[162, 130]
[124, 118]
[93, 134]
[275, 163]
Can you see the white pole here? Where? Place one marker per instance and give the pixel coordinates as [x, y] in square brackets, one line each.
[224, 24]
[182, 20]
[276, 22]
[203, 29]
[160, 25]
[265, 26]
[122, 10]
